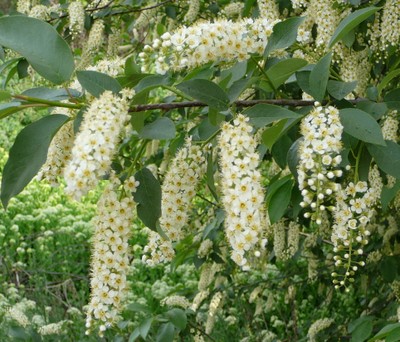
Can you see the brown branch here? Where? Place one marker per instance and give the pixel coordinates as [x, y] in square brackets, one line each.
[239, 103]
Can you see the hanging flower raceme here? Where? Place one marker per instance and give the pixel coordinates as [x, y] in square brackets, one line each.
[110, 258]
[178, 190]
[76, 13]
[319, 153]
[243, 194]
[96, 142]
[354, 209]
[222, 40]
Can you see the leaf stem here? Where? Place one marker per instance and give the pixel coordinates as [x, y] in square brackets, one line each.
[47, 102]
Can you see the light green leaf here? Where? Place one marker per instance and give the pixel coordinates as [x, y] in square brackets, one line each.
[97, 83]
[28, 154]
[40, 44]
[387, 157]
[282, 70]
[263, 114]
[284, 34]
[145, 327]
[207, 92]
[386, 80]
[148, 198]
[161, 129]
[361, 125]
[177, 317]
[51, 94]
[350, 22]
[272, 134]
[5, 95]
[319, 77]
[340, 89]
[166, 333]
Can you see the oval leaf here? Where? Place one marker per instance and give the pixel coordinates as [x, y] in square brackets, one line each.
[339, 89]
[97, 83]
[282, 70]
[361, 125]
[284, 34]
[263, 114]
[148, 198]
[387, 157]
[207, 92]
[40, 44]
[161, 129]
[28, 154]
[319, 77]
[350, 22]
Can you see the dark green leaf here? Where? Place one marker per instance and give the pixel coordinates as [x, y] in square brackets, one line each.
[205, 91]
[279, 200]
[362, 330]
[284, 34]
[2, 54]
[40, 44]
[350, 22]
[148, 198]
[377, 110]
[293, 158]
[340, 89]
[303, 80]
[145, 327]
[7, 109]
[28, 154]
[8, 63]
[51, 94]
[361, 125]
[263, 114]
[387, 157]
[385, 331]
[272, 134]
[388, 268]
[22, 68]
[282, 70]
[238, 87]
[177, 317]
[18, 333]
[161, 129]
[97, 83]
[319, 77]
[151, 82]
[166, 333]
[280, 149]
[388, 194]
[393, 336]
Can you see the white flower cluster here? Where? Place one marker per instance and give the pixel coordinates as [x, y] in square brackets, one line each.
[157, 250]
[96, 142]
[110, 258]
[243, 194]
[216, 302]
[41, 12]
[317, 326]
[179, 301]
[233, 9]
[222, 40]
[319, 153]
[354, 210]
[52, 328]
[178, 190]
[59, 152]
[193, 11]
[390, 26]
[93, 44]
[269, 9]
[76, 13]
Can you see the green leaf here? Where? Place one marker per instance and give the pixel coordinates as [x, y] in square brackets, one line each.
[361, 125]
[293, 158]
[166, 333]
[386, 331]
[97, 83]
[177, 317]
[319, 77]
[272, 134]
[387, 157]
[303, 80]
[388, 194]
[377, 110]
[148, 198]
[361, 329]
[340, 89]
[151, 82]
[40, 44]
[207, 92]
[22, 68]
[137, 307]
[28, 154]
[51, 94]
[282, 70]
[263, 114]
[7, 109]
[161, 129]
[284, 34]
[145, 327]
[388, 268]
[350, 22]
[386, 80]
[279, 198]
[18, 333]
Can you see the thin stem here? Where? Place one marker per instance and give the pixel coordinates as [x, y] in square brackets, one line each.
[264, 74]
[47, 102]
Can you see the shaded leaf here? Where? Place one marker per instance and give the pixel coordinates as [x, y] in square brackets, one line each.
[161, 129]
[281, 71]
[28, 154]
[97, 83]
[177, 317]
[40, 44]
[319, 77]
[387, 157]
[340, 89]
[263, 114]
[166, 333]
